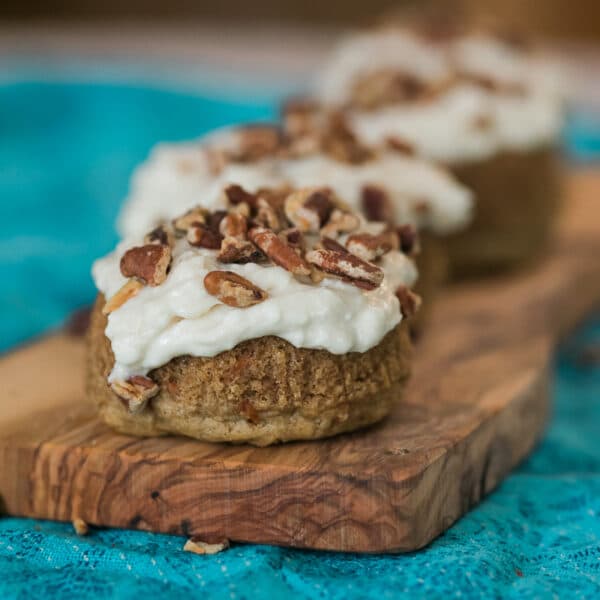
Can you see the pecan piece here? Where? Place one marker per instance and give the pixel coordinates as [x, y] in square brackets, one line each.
[197, 546]
[409, 301]
[235, 250]
[293, 237]
[213, 220]
[236, 194]
[234, 225]
[376, 204]
[204, 237]
[400, 145]
[279, 252]
[347, 266]
[192, 217]
[256, 142]
[125, 293]
[370, 247]
[308, 208]
[340, 222]
[268, 215]
[160, 235]
[80, 526]
[149, 263]
[330, 244]
[233, 289]
[135, 392]
[409, 239]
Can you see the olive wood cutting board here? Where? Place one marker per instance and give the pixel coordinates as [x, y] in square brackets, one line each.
[475, 406]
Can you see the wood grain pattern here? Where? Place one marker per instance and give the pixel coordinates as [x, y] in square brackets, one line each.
[476, 405]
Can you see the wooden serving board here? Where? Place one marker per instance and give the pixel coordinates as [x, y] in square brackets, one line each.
[475, 407]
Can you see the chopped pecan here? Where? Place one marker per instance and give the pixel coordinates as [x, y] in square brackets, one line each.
[409, 301]
[376, 204]
[80, 526]
[330, 244]
[135, 392]
[300, 117]
[160, 235]
[293, 237]
[340, 222]
[341, 143]
[386, 86]
[236, 194]
[409, 239]
[371, 247]
[149, 263]
[278, 251]
[216, 159]
[399, 145]
[268, 215]
[197, 546]
[347, 266]
[233, 289]
[308, 208]
[234, 225]
[125, 293]
[213, 220]
[256, 142]
[192, 217]
[204, 237]
[236, 250]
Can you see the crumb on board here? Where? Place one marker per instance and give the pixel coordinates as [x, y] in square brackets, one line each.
[197, 546]
[80, 526]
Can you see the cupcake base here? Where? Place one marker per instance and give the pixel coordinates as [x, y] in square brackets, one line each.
[517, 197]
[262, 392]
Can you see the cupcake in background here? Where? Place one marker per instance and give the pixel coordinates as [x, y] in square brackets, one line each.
[474, 100]
[389, 186]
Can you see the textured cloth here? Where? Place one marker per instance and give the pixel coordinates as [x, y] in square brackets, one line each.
[65, 155]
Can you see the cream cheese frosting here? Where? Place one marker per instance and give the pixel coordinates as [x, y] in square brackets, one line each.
[447, 127]
[180, 317]
[177, 177]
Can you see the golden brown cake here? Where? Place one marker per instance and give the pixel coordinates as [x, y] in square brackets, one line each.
[283, 316]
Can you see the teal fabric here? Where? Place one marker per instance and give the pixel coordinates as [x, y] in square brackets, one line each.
[65, 154]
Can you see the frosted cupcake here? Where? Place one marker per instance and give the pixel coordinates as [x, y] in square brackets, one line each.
[280, 317]
[471, 100]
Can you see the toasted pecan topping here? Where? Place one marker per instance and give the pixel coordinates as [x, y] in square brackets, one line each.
[308, 208]
[371, 247]
[160, 235]
[278, 251]
[386, 86]
[293, 237]
[409, 239]
[135, 392]
[339, 222]
[233, 289]
[268, 214]
[203, 236]
[213, 220]
[192, 217]
[347, 266]
[234, 225]
[329, 244]
[256, 142]
[236, 194]
[399, 145]
[127, 291]
[236, 250]
[149, 263]
[409, 301]
[376, 204]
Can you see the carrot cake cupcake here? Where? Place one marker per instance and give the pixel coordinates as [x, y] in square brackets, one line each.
[281, 316]
[472, 100]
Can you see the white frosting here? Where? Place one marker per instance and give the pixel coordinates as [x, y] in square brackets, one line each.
[408, 182]
[444, 128]
[180, 318]
[176, 177]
